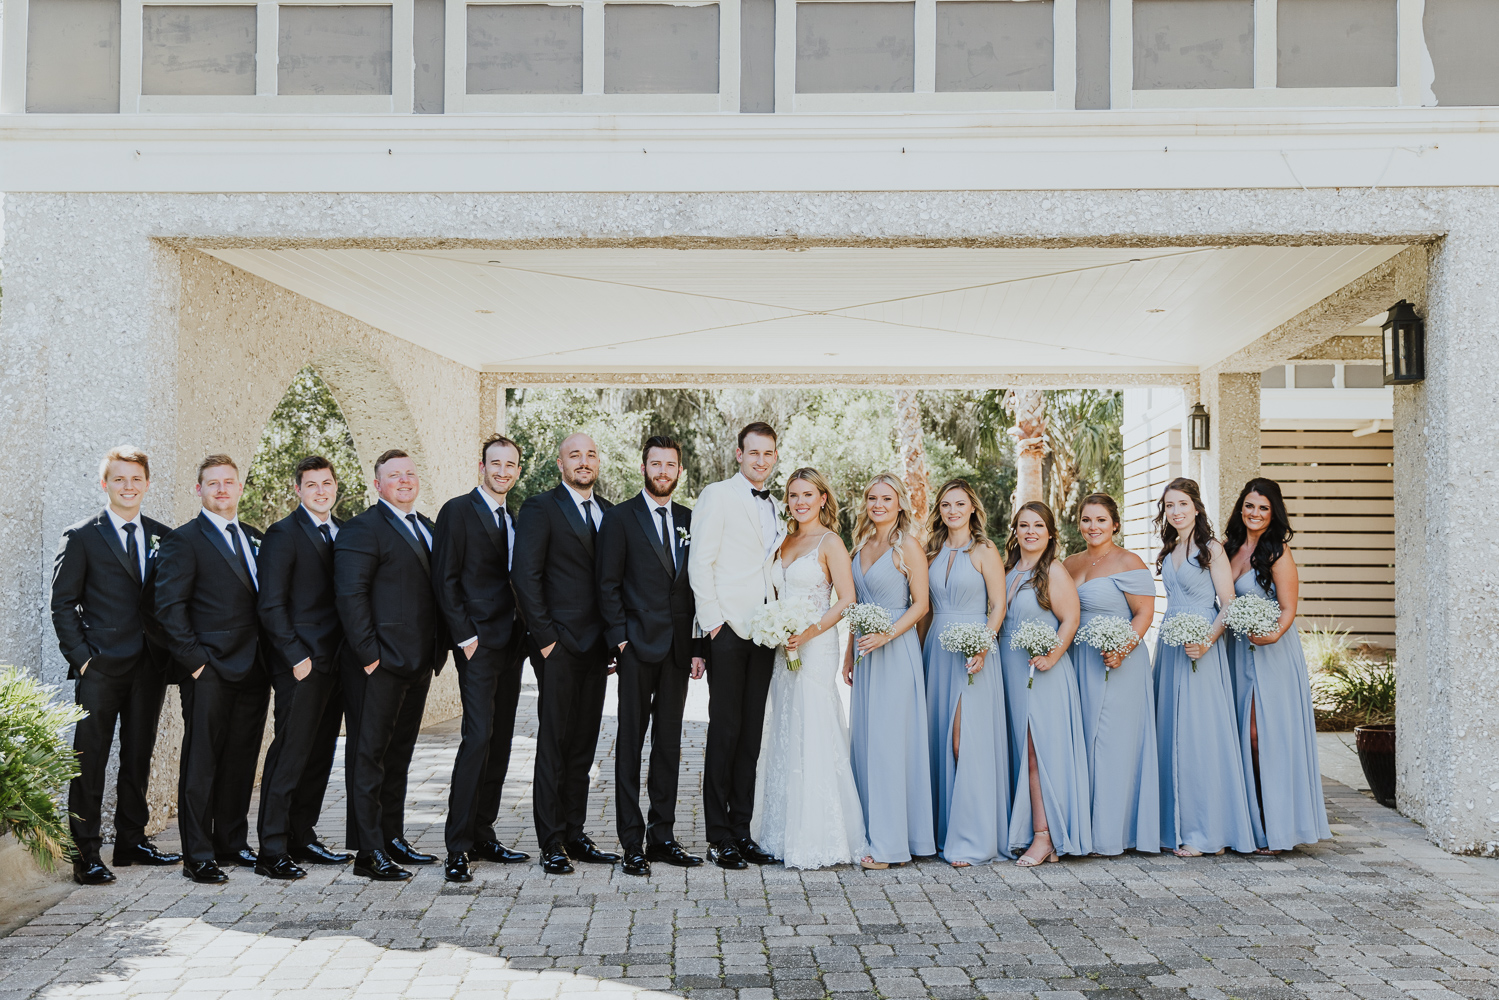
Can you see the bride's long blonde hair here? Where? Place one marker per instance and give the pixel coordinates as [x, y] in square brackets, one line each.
[828, 515]
[905, 520]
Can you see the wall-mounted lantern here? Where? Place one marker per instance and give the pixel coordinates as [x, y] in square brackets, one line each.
[1199, 424]
[1404, 345]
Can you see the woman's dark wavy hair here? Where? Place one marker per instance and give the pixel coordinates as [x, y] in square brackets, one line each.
[1272, 543]
[1041, 574]
[1202, 530]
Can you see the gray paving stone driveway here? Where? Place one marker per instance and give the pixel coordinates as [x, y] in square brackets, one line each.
[1375, 912]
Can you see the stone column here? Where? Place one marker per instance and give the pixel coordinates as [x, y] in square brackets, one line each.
[1232, 400]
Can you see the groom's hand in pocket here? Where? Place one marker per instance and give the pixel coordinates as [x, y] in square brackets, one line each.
[714, 633]
[699, 667]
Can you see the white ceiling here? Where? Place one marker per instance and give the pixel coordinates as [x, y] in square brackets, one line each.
[834, 309]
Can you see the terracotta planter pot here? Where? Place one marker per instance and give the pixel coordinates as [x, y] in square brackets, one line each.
[1376, 752]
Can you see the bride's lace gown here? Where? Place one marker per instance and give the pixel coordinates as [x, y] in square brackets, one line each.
[807, 809]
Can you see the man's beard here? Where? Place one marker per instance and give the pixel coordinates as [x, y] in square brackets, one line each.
[570, 477]
[653, 490]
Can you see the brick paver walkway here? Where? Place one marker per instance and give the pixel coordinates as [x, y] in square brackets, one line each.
[1375, 912]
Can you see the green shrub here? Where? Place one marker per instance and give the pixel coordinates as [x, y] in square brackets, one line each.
[36, 764]
[1349, 687]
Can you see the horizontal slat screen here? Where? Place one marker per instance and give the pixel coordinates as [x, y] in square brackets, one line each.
[1340, 493]
[1150, 462]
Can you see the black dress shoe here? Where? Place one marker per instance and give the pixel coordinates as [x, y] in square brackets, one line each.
[583, 849]
[279, 866]
[377, 865]
[144, 853]
[206, 872]
[554, 862]
[493, 850]
[91, 871]
[755, 854]
[316, 854]
[455, 869]
[243, 858]
[635, 863]
[404, 853]
[671, 853]
[726, 855]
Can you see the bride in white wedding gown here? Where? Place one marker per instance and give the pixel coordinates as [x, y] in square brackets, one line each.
[807, 809]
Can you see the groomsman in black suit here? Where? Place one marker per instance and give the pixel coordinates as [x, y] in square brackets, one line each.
[382, 585]
[471, 551]
[206, 590]
[646, 600]
[557, 589]
[305, 637]
[98, 584]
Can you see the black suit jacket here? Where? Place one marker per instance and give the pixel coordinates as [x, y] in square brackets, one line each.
[100, 611]
[296, 594]
[645, 599]
[205, 601]
[382, 585]
[553, 572]
[471, 573]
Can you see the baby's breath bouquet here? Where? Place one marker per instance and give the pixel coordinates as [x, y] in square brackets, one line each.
[1036, 638]
[1252, 614]
[779, 620]
[1186, 629]
[867, 619]
[967, 639]
[1109, 634]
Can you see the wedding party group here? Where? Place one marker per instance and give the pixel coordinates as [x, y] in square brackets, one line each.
[1002, 705]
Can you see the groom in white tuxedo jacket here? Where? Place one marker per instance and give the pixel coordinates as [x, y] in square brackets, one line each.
[736, 531]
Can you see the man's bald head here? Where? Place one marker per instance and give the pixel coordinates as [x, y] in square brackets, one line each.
[578, 461]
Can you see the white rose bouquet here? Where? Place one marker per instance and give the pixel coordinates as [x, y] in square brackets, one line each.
[779, 620]
[1186, 629]
[1109, 634]
[1252, 614]
[1036, 638]
[868, 619]
[967, 639]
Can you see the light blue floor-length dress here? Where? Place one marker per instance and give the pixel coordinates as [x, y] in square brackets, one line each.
[1051, 711]
[1119, 725]
[888, 727]
[1204, 801]
[972, 793]
[1273, 681]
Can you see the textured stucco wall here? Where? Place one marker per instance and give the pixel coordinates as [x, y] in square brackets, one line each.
[1233, 404]
[91, 302]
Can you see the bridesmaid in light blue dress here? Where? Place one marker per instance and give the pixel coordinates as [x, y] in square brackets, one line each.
[1050, 813]
[1277, 728]
[966, 697]
[1118, 689]
[887, 713]
[1204, 798]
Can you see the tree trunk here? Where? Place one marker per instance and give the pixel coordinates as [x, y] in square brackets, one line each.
[912, 452]
[1029, 432]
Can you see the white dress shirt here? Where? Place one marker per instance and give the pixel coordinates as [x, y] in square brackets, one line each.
[243, 544]
[142, 542]
[494, 505]
[578, 498]
[765, 508]
[321, 520]
[652, 504]
[423, 536]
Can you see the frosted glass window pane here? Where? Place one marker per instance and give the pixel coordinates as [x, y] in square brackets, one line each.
[757, 56]
[855, 48]
[1194, 44]
[1314, 376]
[525, 49]
[988, 45]
[73, 56]
[1093, 43]
[1460, 36]
[1273, 378]
[198, 50]
[334, 50]
[656, 48]
[1336, 43]
[1363, 376]
[428, 49]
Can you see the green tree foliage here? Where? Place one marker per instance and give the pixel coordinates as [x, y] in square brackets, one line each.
[307, 421]
[1087, 453]
[36, 764]
[540, 419]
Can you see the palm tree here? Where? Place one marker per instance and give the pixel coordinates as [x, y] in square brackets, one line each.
[912, 451]
[1028, 407]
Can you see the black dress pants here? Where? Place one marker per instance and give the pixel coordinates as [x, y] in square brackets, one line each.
[134, 699]
[225, 723]
[738, 683]
[489, 685]
[650, 694]
[571, 708]
[390, 719]
[297, 765]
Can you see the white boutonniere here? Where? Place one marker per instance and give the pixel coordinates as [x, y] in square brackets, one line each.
[254, 545]
[684, 537]
[153, 543]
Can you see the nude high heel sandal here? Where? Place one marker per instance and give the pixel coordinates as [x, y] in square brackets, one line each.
[1026, 861]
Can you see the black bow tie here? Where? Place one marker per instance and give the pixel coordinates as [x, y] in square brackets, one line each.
[762, 494]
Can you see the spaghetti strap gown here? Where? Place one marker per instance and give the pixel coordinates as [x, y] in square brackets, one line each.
[1119, 725]
[1051, 711]
[1272, 680]
[971, 792]
[1204, 799]
[887, 720]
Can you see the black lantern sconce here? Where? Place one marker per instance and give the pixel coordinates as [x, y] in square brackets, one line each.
[1404, 346]
[1200, 425]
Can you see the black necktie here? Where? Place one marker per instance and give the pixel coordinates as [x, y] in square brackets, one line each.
[588, 517]
[132, 551]
[762, 494]
[327, 534]
[671, 555]
[499, 519]
[239, 550]
[416, 529]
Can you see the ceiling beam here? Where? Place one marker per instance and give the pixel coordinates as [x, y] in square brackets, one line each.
[1348, 347]
[877, 379]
